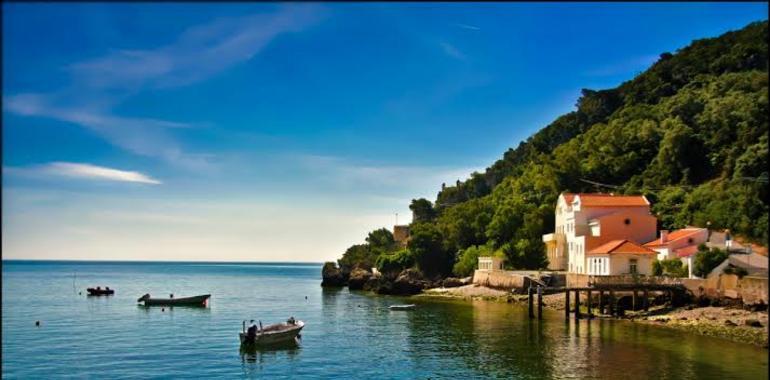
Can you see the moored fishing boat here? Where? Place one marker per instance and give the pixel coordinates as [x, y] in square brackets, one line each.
[279, 333]
[402, 307]
[98, 291]
[184, 301]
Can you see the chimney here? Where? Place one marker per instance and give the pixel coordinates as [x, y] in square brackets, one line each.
[663, 236]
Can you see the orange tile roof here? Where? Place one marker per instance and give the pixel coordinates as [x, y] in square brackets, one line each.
[678, 234]
[602, 199]
[686, 251]
[620, 246]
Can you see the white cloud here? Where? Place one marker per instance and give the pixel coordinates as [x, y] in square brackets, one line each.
[83, 171]
[200, 52]
[382, 179]
[452, 51]
[467, 26]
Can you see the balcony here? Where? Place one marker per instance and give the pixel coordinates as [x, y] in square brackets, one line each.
[554, 237]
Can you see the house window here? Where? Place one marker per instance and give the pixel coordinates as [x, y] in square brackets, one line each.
[632, 267]
[627, 221]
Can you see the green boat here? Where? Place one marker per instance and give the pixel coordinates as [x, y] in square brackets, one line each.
[184, 301]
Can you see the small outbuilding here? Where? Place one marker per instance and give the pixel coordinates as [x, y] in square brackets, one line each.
[490, 263]
[620, 257]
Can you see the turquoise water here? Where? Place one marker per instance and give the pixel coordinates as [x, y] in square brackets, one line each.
[347, 335]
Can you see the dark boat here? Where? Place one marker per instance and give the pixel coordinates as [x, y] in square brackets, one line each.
[98, 291]
[184, 301]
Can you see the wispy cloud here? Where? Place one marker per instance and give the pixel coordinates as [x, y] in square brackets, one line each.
[83, 171]
[452, 51]
[467, 26]
[142, 136]
[421, 180]
[623, 67]
[200, 52]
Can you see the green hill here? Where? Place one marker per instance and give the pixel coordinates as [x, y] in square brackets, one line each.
[690, 133]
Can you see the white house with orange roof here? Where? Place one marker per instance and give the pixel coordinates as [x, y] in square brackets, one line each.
[620, 257]
[585, 221]
[680, 244]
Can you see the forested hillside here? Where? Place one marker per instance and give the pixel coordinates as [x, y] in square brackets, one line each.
[690, 133]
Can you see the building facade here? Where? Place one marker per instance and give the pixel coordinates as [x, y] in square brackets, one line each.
[587, 220]
[620, 257]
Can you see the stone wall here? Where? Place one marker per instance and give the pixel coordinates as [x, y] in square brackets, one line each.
[751, 290]
[499, 279]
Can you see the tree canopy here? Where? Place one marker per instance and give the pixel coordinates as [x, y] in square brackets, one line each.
[690, 133]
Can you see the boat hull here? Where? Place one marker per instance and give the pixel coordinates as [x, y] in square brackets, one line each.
[100, 292]
[286, 333]
[186, 301]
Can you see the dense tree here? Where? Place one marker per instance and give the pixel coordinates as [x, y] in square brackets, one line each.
[426, 246]
[690, 133]
[706, 260]
[422, 210]
[468, 259]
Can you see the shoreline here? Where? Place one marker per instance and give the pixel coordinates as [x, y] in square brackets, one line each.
[724, 322]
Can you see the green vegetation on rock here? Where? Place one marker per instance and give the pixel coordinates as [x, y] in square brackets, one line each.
[690, 133]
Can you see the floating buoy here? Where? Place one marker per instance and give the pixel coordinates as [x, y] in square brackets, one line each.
[163, 309]
[37, 323]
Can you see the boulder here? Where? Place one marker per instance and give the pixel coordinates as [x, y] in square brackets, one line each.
[408, 282]
[332, 276]
[452, 282]
[358, 278]
[752, 323]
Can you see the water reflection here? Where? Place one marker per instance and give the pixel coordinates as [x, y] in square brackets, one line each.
[254, 358]
[499, 340]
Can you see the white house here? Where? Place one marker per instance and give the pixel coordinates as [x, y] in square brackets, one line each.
[587, 220]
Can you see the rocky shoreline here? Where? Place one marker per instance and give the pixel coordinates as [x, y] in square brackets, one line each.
[406, 283]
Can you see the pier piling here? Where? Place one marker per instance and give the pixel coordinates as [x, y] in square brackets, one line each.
[529, 294]
[577, 304]
[539, 302]
[566, 304]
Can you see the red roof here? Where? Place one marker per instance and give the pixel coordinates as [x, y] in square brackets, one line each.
[686, 251]
[620, 246]
[602, 199]
[678, 234]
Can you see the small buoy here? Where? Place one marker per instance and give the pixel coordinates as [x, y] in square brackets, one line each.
[305, 297]
[80, 293]
[163, 309]
[37, 323]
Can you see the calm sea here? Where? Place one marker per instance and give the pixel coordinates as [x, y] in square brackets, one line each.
[347, 335]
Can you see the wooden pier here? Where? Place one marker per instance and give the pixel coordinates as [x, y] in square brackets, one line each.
[608, 303]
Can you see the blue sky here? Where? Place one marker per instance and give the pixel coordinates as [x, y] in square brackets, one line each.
[285, 132]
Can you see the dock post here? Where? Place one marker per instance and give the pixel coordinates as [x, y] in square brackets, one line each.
[633, 300]
[529, 294]
[590, 314]
[612, 302]
[566, 304]
[646, 300]
[601, 302]
[539, 302]
[577, 304]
